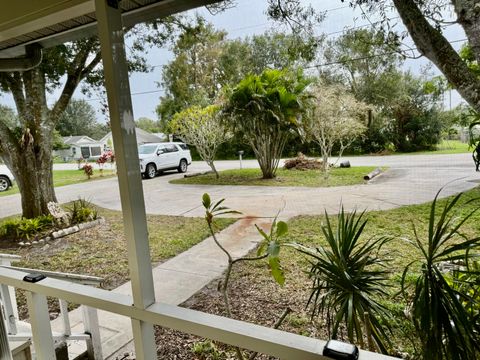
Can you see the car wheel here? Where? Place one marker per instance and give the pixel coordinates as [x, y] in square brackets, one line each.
[4, 183]
[150, 171]
[182, 167]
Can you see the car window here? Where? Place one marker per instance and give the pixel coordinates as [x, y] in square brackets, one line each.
[171, 148]
[183, 146]
[147, 149]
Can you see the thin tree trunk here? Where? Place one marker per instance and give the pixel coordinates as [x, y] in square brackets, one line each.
[214, 169]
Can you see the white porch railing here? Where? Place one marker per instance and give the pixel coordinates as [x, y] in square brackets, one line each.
[233, 332]
[9, 310]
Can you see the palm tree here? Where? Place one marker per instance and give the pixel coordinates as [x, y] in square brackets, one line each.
[265, 109]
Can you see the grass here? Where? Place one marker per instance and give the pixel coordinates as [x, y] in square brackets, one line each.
[397, 223]
[257, 298]
[67, 177]
[446, 147]
[311, 178]
[101, 251]
[398, 253]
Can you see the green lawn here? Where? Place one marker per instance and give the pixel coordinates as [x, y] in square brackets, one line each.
[101, 251]
[446, 147]
[397, 223]
[252, 286]
[67, 177]
[253, 177]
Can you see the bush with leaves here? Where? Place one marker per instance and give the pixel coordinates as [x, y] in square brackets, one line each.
[88, 170]
[348, 279]
[445, 325]
[202, 128]
[19, 229]
[81, 211]
[336, 120]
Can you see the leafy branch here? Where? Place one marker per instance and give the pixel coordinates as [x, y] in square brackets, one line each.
[269, 249]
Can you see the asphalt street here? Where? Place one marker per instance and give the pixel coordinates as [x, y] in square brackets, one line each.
[410, 179]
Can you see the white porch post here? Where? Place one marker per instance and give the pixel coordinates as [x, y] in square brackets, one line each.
[110, 32]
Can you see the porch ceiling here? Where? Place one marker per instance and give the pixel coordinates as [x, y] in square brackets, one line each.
[53, 22]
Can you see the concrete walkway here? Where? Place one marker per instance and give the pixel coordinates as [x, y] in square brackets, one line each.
[175, 281]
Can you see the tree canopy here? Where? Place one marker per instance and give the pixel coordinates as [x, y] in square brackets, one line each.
[79, 118]
[425, 21]
[206, 61]
[202, 128]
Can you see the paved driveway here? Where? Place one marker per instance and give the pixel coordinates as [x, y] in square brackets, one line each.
[409, 180]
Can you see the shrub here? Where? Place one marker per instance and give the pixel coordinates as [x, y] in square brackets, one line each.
[88, 170]
[16, 229]
[348, 279]
[445, 323]
[82, 211]
[207, 350]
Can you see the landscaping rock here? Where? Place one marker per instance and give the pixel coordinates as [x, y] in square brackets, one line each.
[73, 229]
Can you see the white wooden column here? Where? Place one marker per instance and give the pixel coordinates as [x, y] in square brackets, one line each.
[110, 32]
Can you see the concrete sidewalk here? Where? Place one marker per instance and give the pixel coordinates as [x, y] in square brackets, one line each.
[175, 281]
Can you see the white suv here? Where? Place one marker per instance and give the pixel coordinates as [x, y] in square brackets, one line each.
[6, 178]
[163, 156]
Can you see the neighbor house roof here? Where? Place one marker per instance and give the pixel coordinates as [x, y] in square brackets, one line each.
[53, 22]
[75, 140]
[143, 137]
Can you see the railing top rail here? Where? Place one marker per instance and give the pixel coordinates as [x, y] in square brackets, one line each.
[253, 337]
[76, 278]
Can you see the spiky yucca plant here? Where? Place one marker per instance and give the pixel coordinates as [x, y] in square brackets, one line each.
[447, 329]
[348, 279]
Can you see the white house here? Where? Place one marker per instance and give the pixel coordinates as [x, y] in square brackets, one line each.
[87, 148]
[143, 137]
[81, 147]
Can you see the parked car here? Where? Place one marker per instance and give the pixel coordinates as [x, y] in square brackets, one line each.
[6, 178]
[159, 157]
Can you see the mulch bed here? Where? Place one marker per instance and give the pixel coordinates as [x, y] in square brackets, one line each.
[256, 299]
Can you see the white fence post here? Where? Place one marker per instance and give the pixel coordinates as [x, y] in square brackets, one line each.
[94, 344]
[8, 309]
[5, 352]
[12, 310]
[67, 330]
[41, 328]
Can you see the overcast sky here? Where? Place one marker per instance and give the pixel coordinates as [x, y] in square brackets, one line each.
[248, 18]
